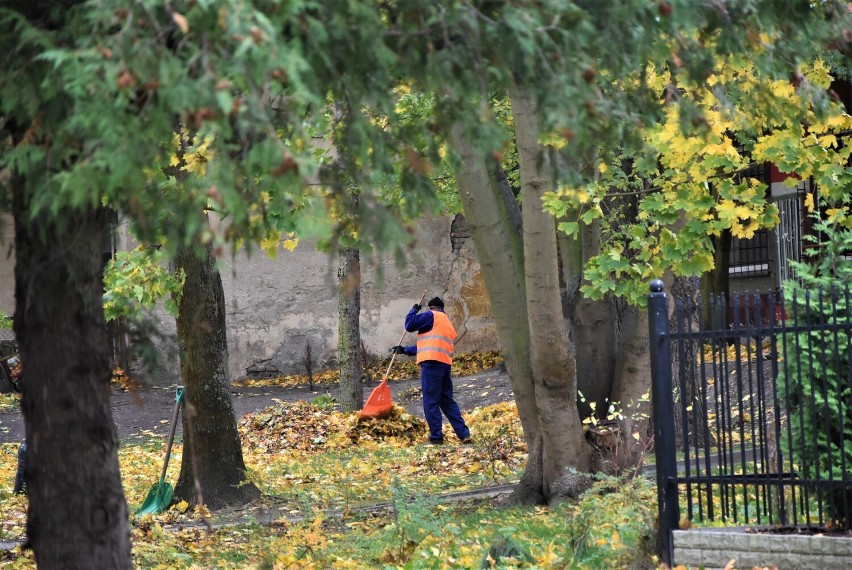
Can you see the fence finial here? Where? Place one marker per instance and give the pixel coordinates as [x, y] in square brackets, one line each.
[657, 286]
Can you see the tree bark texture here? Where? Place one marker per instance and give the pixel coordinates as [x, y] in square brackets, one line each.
[593, 325]
[77, 514]
[552, 356]
[630, 383]
[593, 328]
[349, 329]
[212, 469]
[493, 218]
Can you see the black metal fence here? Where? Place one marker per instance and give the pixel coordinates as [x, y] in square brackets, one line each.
[752, 415]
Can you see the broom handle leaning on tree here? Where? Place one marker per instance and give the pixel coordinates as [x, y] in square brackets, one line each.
[393, 356]
[178, 398]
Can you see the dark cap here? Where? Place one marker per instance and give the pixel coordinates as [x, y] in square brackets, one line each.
[435, 302]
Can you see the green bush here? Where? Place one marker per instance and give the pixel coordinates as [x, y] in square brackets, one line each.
[814, 380]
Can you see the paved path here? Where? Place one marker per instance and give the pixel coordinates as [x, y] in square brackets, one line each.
[147, 412]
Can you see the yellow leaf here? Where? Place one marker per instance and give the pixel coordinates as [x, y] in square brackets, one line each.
[181, 22]
[809, 202]
[828, 141]
[290, 244]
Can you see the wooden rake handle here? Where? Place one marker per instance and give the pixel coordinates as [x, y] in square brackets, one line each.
[178, 399]
[393, 356]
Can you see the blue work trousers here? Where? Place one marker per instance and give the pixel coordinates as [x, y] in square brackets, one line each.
[438, 397]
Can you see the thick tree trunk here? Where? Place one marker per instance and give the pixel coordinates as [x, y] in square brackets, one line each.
[593, 326]
[552, 356]
[212, 469]
[349, 329]
[492, 215]
[77, 514]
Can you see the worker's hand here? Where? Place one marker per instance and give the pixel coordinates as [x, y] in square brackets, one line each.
[398, 349]
[417, 308]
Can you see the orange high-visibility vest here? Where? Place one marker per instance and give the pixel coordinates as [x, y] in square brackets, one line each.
[437, 344]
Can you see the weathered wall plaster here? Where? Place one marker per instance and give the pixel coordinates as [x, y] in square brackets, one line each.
[276, 306]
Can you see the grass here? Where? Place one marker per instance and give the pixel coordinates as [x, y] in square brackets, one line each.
[317, 491]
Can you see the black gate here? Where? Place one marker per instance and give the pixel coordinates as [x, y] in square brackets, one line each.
[752, 413]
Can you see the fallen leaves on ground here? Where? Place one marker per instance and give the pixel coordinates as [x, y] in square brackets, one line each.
[404, 368]
[301, 426]
[322, 465]
[9, 402]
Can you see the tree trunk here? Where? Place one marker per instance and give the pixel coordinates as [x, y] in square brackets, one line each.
[593, 324]
[212, 470]
[77, 514]
[552, 356]
[716, 284]
[349, 329]
[492, 215]
[631, 389]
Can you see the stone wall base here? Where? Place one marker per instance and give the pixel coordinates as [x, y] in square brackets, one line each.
[715, 548]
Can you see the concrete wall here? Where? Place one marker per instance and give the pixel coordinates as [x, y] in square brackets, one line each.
[276, 306]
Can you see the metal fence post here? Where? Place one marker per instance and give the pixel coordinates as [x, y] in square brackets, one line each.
[663, 416]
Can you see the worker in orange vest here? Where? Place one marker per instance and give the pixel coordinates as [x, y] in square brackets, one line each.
[434, 350]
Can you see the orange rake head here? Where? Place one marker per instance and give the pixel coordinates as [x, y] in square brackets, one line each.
[379, 405]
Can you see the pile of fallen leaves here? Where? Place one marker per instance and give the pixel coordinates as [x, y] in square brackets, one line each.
[303, 427]
[124, 381]
[475, 362]
[400, 427]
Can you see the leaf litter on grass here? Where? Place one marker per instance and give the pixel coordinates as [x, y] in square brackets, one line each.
[314, 461]
[321, 459]
[332, 461]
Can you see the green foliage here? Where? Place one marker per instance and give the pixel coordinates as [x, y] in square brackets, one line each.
[614, 525]
[665, 200]
[324, 402]
[101, 88]
[506, 550]
[414, 519]
[138, 279]
[6, 322]
[815, 378]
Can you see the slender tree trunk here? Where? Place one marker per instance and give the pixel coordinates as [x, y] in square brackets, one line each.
[631, 387]
[349, 329]
[552, 356]
[77, 515]
[716, 284]
[212, 469]
[494, 221]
